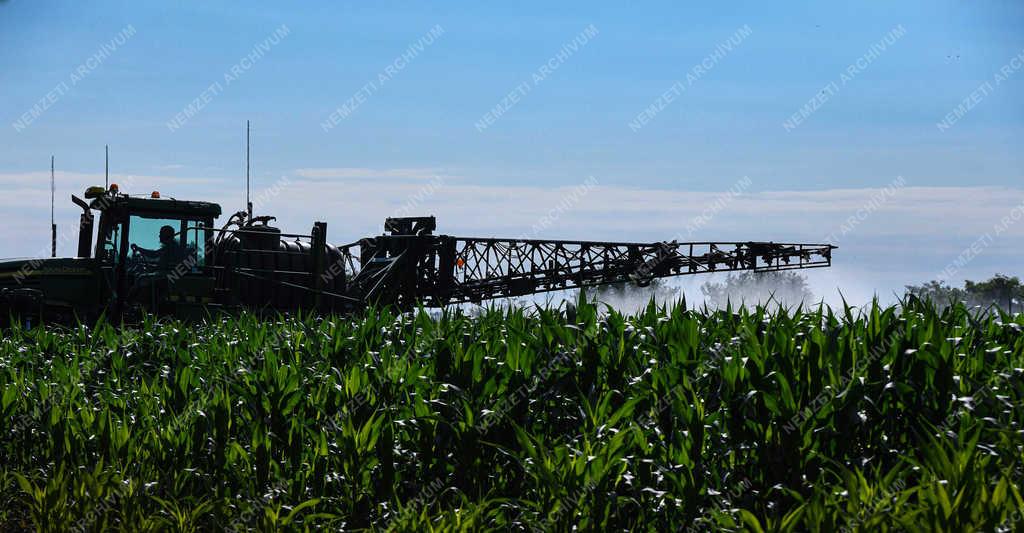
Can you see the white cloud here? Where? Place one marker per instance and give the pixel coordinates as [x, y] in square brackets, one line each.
[353, 173]
[658, 214]
[32, 189]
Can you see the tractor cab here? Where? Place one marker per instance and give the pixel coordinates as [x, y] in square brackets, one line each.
[152, 249]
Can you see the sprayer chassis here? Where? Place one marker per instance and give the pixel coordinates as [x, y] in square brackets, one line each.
[250, 265]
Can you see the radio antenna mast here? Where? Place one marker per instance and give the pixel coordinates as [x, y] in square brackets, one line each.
[53, 225]
[248, 203]
[106, 167]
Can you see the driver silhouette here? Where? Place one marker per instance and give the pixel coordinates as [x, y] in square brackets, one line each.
[169, 254]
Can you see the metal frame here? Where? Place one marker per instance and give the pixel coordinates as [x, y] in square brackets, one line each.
[403, 268]
[489, 268]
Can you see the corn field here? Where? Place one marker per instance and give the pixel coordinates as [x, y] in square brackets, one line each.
[903, 418]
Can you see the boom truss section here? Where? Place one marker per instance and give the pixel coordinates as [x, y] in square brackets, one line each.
[492, 268]
[412, 264]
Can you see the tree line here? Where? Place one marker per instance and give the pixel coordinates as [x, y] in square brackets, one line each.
[790, 288]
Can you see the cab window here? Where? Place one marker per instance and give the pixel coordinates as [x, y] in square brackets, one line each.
[186, 248]
[145, 232]
[111, 244]
[195, 240]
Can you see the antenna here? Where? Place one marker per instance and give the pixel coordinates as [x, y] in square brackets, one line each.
[248, 203]
[106, 167]
[53, 225]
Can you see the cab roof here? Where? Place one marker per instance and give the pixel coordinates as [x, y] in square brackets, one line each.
[163, 206]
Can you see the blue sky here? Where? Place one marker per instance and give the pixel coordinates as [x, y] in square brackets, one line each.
[571, 125]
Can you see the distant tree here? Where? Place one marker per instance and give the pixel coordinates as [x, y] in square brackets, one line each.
[1001, 291]
[657, 287]
[783, 288]
[937, 292]
[631, 296]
